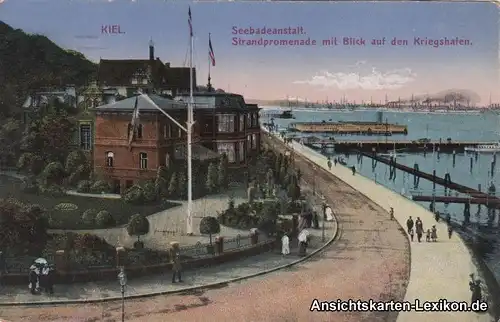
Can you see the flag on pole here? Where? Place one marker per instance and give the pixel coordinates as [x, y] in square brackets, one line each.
[211, 51]
[190, 21]
[134, 123]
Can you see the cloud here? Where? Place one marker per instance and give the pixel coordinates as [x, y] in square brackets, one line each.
[375, 80]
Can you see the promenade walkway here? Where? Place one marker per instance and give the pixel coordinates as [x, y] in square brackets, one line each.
[438, 270]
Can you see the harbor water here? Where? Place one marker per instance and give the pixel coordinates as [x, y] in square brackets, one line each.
[483, 232]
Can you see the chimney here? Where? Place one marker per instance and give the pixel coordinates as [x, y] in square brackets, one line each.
[167, 65]
[151, 50]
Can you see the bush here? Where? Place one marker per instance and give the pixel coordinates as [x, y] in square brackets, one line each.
[30, 185]
[30, 163]
[243, 209]
[84, 186]
[53, 191]
[209, 226]
[138, 226]
[150, 192]
[100, 186]
[53, 173]
[89, 216]
[66, 206]
[104, 219]
[134, 195]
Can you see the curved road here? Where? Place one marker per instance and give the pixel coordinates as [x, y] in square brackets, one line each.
[370, 260]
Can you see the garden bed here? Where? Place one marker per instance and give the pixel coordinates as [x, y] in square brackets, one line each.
[69, 217]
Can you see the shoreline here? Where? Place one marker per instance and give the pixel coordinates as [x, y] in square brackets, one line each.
[489, 279]
[449, 282]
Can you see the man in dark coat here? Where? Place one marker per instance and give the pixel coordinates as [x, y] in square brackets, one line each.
[419, 229]
[33, 279]
[409, 224]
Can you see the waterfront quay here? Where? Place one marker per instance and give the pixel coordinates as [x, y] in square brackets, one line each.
[438, 270]
[362, 128]
[447, 146]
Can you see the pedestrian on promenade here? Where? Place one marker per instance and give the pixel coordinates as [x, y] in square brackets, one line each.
[437, 215]
[450, 231]
[475, 287]
[335, 162]
[409, 224]
[419, 229]
[353, 169]
[412, 233]
[303, 239]
[434, 235]
[329, 163]
[428, 235]
[175, 258]
[391, 213]
[285, 245]
[34, 284]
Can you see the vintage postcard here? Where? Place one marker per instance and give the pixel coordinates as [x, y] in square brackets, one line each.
[249, 161]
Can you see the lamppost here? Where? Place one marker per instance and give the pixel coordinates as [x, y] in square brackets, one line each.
[122, 277]
[324, 219]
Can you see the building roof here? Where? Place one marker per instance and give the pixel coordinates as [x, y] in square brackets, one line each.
[145, 102]
[120, 73]
[178, 78]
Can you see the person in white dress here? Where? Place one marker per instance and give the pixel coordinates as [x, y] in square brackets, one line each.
[329, 214]
[285, 245]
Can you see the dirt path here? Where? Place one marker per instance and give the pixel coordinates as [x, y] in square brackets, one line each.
[370, 260]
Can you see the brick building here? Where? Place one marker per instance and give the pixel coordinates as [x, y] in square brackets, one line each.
[224, 124]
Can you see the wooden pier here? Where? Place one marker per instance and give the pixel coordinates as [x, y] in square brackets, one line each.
[444, 146]
[361, 128]
[432, 178]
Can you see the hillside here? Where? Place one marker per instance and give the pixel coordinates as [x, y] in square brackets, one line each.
[28, 62]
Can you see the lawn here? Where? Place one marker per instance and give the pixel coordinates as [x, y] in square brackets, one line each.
[71, 219]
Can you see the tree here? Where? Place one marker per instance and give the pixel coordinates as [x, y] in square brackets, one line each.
[74, 160]
[161, 181]
[52, 135]
[138, 225]
[212, 178]
[10, 136]
[222, 172]
[293, 191]
[209, 226]
[182, 188]
[173, 185]
[53, 173]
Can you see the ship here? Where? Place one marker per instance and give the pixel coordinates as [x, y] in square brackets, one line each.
[484, 148]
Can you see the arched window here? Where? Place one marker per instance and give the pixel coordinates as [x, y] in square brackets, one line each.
[109, 159]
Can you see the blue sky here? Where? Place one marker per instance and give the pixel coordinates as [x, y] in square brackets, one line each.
[309, 71]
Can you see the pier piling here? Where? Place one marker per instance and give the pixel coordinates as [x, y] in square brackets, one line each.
[416, 179]
[476, 155]
[479, 206]
[492, 168]
[471, 164]
[467, 212]
[434, 179]
[454, 157]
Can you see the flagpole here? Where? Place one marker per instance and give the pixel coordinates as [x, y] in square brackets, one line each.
[189, 228]
[209, 85]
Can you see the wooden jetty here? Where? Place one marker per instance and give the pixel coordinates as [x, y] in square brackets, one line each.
[389, 146]
[425, 146]
[431, 177]
[363, 128]
[491, 201]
